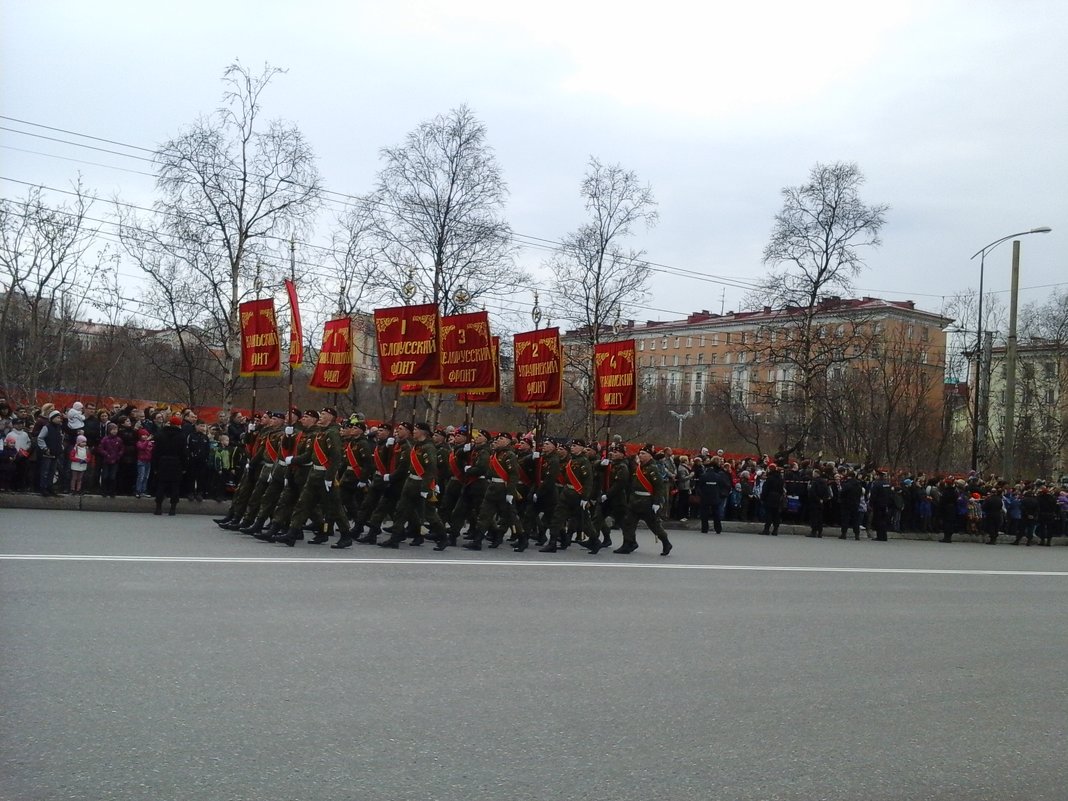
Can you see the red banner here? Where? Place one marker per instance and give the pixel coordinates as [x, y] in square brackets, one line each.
[615, 377]
[487, 397]
[260, 351]
[296, 333]
[538, 368]
[333, 369]
[408, 346]
[467, 359]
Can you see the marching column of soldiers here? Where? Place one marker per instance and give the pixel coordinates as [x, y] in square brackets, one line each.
[314, 471]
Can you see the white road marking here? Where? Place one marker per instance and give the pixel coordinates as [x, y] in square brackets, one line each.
[281, 560]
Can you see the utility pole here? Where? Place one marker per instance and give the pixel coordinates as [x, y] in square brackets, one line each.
[1009, 433]
[984, 400]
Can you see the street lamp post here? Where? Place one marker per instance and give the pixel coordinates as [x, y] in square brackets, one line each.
[981, 253]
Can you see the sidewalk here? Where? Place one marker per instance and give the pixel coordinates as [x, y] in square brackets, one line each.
[146, 505]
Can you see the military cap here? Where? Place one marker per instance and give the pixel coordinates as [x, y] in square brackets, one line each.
[330, 410]
[482, 432]
[403, 424]
[423, 427]
[578, 441]
[277, 415]
[311, 413]
[295, 410]
[441, 432]
[506, 435]
[385, 426]
[647, 448]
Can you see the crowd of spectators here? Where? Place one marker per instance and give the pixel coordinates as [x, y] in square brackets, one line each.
[109, 451]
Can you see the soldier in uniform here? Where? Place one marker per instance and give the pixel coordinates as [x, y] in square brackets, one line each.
[452, 478]
[298, 466]
[527, 470]
[253, 521]
[358, 470]
[540, 494]
[291, 434]
[615, 493]
[254, 448]
[646, 490]
[381, 453]
[435, 525]
[498, 498]
[476, 472]
[420, 481]
[323, 458]
[396, 471]
[576, 486]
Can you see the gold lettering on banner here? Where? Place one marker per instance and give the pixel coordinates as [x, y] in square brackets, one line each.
[261, 340]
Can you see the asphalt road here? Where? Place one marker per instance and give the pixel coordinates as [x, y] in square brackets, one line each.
[169, 660]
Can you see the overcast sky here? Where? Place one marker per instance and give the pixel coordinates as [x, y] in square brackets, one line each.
[955, 111]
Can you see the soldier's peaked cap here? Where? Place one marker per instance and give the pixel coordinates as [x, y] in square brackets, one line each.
[422, 427]
[278, 415]
[330, 410]
[311, 413]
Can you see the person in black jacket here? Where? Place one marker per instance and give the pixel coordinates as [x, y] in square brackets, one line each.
[849, 498]
[773, 496]
[713, 485]
[882, 503]
[947, 508]
[168, 464]
[819, 493]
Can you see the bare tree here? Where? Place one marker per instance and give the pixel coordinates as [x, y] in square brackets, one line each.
[231, 188]
[47, 277]
[437, 213]
[595, 275]
[813, 255]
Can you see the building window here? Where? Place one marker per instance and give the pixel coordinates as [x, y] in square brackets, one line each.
[715, 339]
[700, 358]
[678, 341]
[698, 379]
[726, 358]
[712, 359]
[652, 344]
[687, 358]
[923, 357]
[663, 343]
[741, 358]
[689, 342]
[675, 360]
[909, 332]
[641, 344]
[663, 361]
[925, 334]
[702, 340]
[839, 330]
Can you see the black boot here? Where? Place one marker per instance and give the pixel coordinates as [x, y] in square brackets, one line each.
[667, 546]
[174, 509]
[626, 547]
[255, 528]
[549, 546]
[290, 537]
[607, 541]
[371, 537]
[269, 535]
[222, 521]
[159, 507]
[322, 536]
[418, 539]
[344, 541]
[442, 543]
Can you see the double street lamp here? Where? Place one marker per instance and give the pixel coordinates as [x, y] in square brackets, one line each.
[981, 253]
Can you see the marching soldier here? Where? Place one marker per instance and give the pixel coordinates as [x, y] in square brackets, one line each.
[358, 471]
[434, 523]
[453, 479]
[256, 515]
[418, 484]
[319, 492]
[254, 448]
[499, 477]
[574, 496]
[527, 468]
[381, 454]
[541, 494]
[475, 473]
[298, 466]
[647, 488]
[396, 471]
[291, 435]
[614, 498]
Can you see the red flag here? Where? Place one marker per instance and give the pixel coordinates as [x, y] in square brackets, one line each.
[296, 333]
[333, 370]
[615, 378]
[466, 353]
[260, 351]
[408, 347]
[538, 368]
[493, 396]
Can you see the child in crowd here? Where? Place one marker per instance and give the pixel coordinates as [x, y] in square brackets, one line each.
[225, 481]
[109, 450]
[146, 443]
[80, 456]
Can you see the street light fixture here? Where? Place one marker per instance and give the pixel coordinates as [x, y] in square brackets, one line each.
[1045, 229]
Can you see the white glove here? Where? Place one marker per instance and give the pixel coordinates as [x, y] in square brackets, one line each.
[390, 441]
[285, 482]
[585, 504]
[534, 497]
[289, 431]
[361, 484]
[467, 447]
[604, 498]
[656, 508]
[424, 495]
[386, 478]
[610, 521]
[329, 484]
[467, 467]
[509, 498]
[289, 460]
[604, 463]
[536, 454]
[251, 427]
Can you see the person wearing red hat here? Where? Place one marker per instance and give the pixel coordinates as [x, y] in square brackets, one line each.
[168, 464]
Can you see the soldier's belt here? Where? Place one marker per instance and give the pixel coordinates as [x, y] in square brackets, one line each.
[320, 468]
[498, 480]
[414, 477]
[646, 494]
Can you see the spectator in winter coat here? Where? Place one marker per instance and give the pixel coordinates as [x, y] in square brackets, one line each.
[49, 451]
[713, 485]
[849, 501]
[168, 463]
[773, 497]
[8, 454]
[109, 452]
[145, 446]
